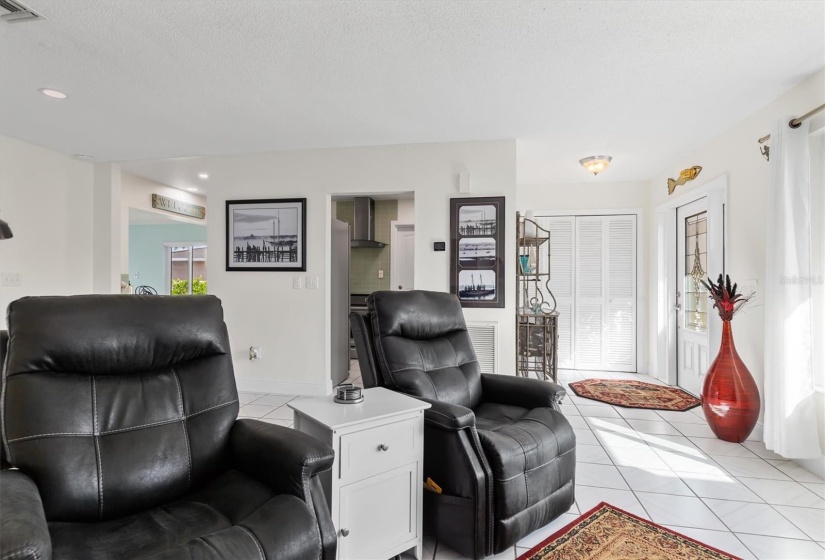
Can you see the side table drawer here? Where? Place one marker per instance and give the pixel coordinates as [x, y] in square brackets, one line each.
[379, 449]
[378, 514]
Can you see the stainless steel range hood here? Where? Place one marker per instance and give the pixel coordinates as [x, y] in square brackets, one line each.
[363, 226]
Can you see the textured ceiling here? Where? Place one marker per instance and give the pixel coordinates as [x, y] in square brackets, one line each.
[641, 81]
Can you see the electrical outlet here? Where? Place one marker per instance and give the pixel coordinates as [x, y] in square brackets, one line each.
[312, 282]
[11, 279]
[380, 274]
[296, 282]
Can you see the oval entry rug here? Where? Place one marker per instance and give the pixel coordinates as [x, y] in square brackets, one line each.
[635, 394]
[607, 532]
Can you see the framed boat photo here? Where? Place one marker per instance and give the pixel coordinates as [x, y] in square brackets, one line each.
[477, 251]
[266, 235]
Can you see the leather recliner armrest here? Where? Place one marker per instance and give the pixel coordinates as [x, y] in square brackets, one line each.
[22, 520]
[281, 457]
[521, 391]
[448, 416]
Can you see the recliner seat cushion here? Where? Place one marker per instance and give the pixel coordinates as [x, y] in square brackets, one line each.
[531, 454]
[235, 516]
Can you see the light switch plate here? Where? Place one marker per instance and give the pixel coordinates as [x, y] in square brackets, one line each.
[312, 282]
[380, 274]
[11, 279]
[296, 282]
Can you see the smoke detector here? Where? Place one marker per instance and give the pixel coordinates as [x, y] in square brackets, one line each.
[17, 12]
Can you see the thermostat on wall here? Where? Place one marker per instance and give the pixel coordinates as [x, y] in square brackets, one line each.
[440, 246]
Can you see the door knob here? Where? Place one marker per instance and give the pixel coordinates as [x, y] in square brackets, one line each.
[678, 306]
[344, 532]
[383, 447]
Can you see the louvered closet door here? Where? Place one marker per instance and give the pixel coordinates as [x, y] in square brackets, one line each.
[562, 276]
[605, 300]
[590, 293]
[620, 335]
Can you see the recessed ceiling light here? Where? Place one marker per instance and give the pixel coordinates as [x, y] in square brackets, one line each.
[192, 189]
[53, 93]
[203, 175]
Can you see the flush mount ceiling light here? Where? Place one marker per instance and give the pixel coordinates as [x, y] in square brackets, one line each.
[203, 175]
[192, 189]
[596, 164]
[84, 157]
[53, 93]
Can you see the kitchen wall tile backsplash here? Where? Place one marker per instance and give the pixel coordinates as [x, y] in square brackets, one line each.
[365, 263]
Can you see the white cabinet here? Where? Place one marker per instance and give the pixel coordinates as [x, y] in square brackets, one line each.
[374, 488]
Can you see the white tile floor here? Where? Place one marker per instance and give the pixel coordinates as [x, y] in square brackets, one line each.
[669, 468]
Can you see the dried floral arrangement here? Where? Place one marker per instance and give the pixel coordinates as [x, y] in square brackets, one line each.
[725, 297]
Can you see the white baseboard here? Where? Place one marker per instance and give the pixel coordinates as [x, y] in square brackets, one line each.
[284, 388]
[816, 465]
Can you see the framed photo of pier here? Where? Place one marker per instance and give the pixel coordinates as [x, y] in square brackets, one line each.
[266, 235]
[477, 251]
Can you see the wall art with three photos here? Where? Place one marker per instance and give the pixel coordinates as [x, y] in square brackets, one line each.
[266, 235]
[477, 251]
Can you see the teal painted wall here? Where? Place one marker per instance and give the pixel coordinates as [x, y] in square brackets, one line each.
[146, 255]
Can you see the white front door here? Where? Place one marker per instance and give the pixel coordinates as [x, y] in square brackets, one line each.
[403, 258]
[691, 296]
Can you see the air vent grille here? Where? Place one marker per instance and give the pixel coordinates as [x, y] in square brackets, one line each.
[484, 337]
[17, 13]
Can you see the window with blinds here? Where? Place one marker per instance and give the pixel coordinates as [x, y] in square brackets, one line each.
[593, 278]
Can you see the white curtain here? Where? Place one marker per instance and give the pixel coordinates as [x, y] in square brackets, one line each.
[791, 427]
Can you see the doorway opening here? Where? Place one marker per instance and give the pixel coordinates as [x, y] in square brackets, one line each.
[691, 245]
[166, 256]
[372, 246]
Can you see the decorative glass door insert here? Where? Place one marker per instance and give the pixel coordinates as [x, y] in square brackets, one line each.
[695, 311]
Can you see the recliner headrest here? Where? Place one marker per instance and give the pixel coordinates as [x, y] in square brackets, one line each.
[87, 334]
[417, 315]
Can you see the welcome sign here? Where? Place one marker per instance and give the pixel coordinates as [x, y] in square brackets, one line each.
[178, 207]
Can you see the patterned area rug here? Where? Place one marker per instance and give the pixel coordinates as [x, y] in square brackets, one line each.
[608, 533]
[635, 394]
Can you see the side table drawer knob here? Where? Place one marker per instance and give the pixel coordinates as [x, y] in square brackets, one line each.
[383, 447]
[344, 532]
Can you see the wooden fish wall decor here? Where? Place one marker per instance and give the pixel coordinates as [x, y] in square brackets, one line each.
[685, 175]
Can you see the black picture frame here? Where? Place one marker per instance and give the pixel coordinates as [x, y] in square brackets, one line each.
[281, 250]
[477, 251]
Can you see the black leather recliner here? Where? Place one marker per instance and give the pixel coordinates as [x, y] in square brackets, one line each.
[497, 445]
[119, 414]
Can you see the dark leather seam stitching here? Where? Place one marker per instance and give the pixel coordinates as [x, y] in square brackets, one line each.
[524, 470]
[121, 430]
[556, 458]
[96, 437]
[5, 442]
[29, 550]
[251, 536]
[434, 369]
[182, 420]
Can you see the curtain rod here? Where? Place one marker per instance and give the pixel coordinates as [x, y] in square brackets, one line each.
[794, 123]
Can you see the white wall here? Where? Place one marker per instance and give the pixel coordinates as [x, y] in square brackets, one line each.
[597, 195]
[736, 154]
[406, 210]
[291, 326]
[47, 198]
[136, 192]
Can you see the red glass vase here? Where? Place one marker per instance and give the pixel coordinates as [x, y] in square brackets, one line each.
[730, 397]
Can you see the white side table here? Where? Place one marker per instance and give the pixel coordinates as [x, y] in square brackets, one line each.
[376, 483]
